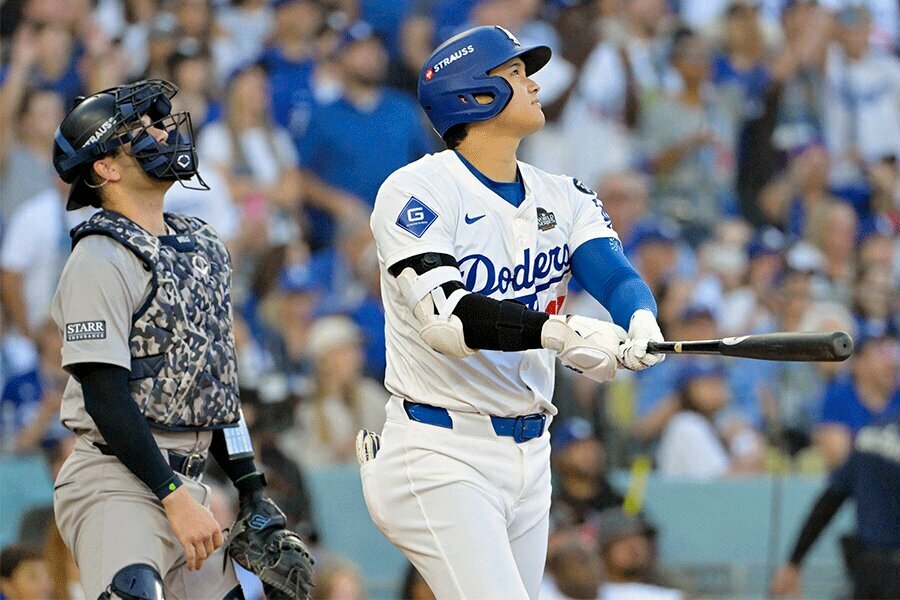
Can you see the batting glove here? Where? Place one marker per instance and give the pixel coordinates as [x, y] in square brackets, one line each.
[587, 346]
[633, 353]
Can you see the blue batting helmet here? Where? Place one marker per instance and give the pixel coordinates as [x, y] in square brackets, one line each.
[458, 70]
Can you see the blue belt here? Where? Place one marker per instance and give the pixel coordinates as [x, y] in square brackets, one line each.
[521, 429]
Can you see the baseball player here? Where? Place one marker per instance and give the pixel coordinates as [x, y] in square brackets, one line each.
[476, 250]
[144, 308]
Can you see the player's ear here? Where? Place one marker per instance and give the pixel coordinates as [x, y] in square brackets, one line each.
[107, 169]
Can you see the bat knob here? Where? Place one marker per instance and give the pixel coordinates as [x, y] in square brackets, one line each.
[841, 345]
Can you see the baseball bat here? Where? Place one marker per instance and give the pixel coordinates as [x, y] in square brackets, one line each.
[806, 347]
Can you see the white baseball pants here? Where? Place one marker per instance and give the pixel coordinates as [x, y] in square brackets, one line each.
[468, 508]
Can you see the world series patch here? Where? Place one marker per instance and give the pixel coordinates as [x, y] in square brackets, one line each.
[546, 220]
[85, 330]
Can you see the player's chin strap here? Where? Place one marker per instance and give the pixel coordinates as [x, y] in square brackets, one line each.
[433, 308]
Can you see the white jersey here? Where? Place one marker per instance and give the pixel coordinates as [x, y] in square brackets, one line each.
[437, 205]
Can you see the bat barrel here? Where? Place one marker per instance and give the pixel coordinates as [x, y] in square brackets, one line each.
[815, 347]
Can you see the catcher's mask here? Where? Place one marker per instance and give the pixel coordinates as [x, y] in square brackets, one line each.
[111, 119]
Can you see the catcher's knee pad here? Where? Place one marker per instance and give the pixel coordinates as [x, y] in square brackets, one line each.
[135, 582]
[236, 594]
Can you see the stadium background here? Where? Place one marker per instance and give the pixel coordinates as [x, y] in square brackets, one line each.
[746, 152]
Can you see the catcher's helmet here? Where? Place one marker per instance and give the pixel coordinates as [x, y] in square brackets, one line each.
[458, 70]
[107, 120]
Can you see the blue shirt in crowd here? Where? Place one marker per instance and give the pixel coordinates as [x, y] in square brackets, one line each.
[291, 85]
[842, 404]
[20, 385]
[356, 149]
[752, 82]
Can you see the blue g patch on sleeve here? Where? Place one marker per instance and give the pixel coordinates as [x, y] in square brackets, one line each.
[415, 217]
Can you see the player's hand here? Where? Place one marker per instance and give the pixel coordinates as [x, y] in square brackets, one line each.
[588, 346]
[633, 353]
[194, 526]
[787, 582]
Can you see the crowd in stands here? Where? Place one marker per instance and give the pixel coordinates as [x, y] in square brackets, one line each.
[746, 152]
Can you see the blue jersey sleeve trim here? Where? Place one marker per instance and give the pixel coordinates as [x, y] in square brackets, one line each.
[600, 267]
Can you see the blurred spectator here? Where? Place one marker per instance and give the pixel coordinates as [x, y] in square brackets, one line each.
[629, 565]
[875, 302]
[573, 571]
[626, 198]
[414, 586]
[48, 52]
[621, 76]
[879, 250]
[870, 391]
[652, 249]
[287, 315]
[34, 248]
[773, 203]
[28, 120]
[286, 483]
[579, 461]
[350, 280]
[657, 398]
[809, 172]
[725, 265]
[131, 22]
[417, 40]
[256, 158]
[30, 402]
[838, 248]
[750, 308]
[290, 59]
[339, 149]
[799, 68]
[795, 405]
[690, 140]
[246, 25]
[337, 579]
[881, 215]
[192, 73]
[692, 445]
[741, 64]
[193, 30]
[342, 402]
[862, 108]
[64, 574]
[23, 574]
[871, 476]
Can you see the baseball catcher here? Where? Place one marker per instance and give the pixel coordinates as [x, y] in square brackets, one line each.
[144, 308]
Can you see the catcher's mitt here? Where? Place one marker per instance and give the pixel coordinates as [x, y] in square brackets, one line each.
[260, 543]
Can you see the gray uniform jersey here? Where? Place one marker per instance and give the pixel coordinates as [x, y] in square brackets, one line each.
[101, 287]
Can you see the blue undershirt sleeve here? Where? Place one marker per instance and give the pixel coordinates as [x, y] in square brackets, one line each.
[601, 268]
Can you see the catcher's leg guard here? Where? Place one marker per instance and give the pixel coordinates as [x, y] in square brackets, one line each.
[236, 594]
[135, 582]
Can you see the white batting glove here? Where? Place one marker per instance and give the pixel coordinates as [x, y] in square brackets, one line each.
[633, 353]
[587, 346]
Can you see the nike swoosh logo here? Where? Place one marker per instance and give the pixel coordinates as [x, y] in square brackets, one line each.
[473, 219]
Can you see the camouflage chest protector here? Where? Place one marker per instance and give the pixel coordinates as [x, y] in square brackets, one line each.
[183, 364]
